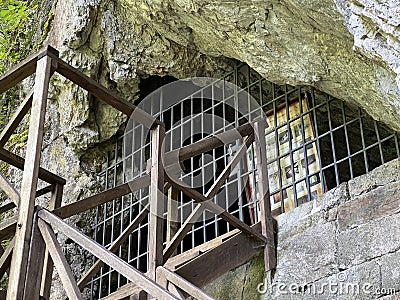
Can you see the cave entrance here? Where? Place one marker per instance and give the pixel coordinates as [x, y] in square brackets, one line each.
[314, 143]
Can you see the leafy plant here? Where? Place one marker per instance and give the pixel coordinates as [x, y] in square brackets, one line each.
[15, 30]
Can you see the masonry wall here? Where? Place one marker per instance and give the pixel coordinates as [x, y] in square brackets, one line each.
[345, 245]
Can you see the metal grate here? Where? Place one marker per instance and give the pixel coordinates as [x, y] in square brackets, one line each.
[314, 143]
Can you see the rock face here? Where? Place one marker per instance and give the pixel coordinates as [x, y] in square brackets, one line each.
[342, 246]
[347, 48]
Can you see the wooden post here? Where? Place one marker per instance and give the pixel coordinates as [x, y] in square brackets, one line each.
[55, 202]
[29, 181]
[35, 263]
[172, 215]
[156, 202]
[267, 226]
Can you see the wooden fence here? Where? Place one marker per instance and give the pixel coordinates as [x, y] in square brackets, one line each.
[34, 249]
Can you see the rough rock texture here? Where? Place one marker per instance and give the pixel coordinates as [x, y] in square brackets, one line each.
[345, 244]
[349, 49]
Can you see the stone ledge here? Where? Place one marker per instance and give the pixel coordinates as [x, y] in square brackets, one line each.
[382, 175]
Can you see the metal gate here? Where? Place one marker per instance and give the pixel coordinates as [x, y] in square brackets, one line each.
[314, 143]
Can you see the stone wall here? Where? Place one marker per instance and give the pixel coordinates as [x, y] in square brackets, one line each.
[346, 244]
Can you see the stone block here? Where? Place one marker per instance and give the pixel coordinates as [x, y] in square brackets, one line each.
[387, 173]
[307, 256]
[380, 202]
[390, 270]
[368, 241]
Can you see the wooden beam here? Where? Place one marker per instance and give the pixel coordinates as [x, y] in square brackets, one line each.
[183, 230]
[267, 224]
[29, 180]
[5, 260]
[13, 123]
[9, 189]
[19, 162]
[7, 228]
[179, 260]
[114, 246]
[172, 211]
[105, 94]
[109, 258]
[62, 266]
[124, 292]
[103, 197]
[207, 144]
[228, 169]
[156, 220]
[235, 252]
[45, 190]
[183, 284]
[24, 69]
[216, 209]
[35, 263]
[55, 202]
[7, 207]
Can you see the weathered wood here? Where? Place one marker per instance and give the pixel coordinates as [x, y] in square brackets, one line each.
[45, 190]
[9, 189]
[55, 202]
[29, 180]
[174, 290]
[96, 267]
[228, 169]
[109, 258]
[235, 252]
[63, 269]
[172, 212]
[19, 162]
[216, 209]
[24, 68]
[235, 222]
[156, 220]
[267, 224]
[105, 94]
[177, 261]
[5, 260]
[207, 144]
[183, 284]
[103, 197]
[35, 263]
[124, 292]
[13, 123]
[183, 230]
[7, 228]
[7, 207]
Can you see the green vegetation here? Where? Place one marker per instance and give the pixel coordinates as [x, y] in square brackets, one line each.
[17, 28]
[16, 32]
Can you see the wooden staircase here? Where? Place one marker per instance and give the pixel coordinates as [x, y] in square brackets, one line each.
[34, 250]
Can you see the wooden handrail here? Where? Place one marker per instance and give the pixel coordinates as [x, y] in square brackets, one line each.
[5, 260]
[25, 68]
[103, 197]
[95, 268]
[106, 256]
[183, 284]
[13, 123]
[60, 262]
[106, 95]
[18, 162]
[9, 189]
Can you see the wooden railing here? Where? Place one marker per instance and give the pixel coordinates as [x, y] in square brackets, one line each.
[34, 250]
